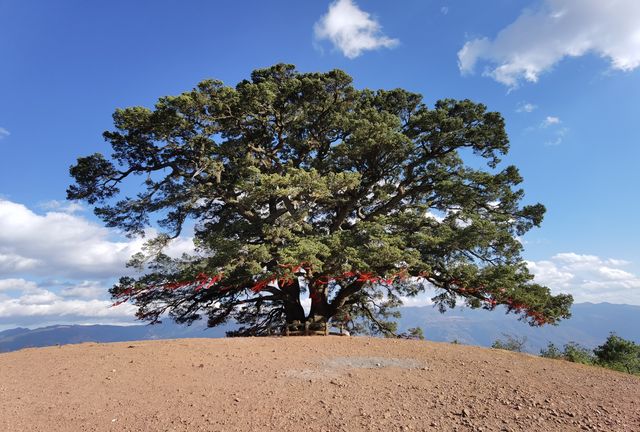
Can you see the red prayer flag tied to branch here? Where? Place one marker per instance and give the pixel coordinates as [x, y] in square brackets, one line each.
[300, 183]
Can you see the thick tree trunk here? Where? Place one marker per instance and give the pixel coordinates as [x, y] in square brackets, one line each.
[320, 309]
[292, 307]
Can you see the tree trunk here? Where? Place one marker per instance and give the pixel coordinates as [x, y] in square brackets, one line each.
[292, 307]
[320, 311]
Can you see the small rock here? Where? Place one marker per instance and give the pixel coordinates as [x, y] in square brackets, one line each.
[466, 413]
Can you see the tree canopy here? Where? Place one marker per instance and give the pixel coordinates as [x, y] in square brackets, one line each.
[300, 183]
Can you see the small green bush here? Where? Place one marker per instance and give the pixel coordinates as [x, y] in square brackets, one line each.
[619, 354]
[577, 353]
[616, 353]
[510, 343]
[552, 352]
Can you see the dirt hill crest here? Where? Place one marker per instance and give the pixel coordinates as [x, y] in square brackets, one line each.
[307, 383]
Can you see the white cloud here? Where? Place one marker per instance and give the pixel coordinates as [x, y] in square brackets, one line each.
[549, 121]
[17, 284]
[538, 39]
[444, 10]
[32, 304]
[588, 278]
[576, 259]
[13, 263]
[435, 216]
[526, 107]
[351, 29]
[62, 206]
[82, 254]
[423, 299]
[62, 244]
[4, 133]
[85, 289]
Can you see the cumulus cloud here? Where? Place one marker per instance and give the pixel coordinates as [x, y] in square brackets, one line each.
[540, 38]
[351, 30]
[589, 278]
[17, 284]
[14, 263]
[4, 133]
[31, 303]
[63, 244]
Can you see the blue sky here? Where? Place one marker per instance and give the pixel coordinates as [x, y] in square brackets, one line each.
[564, 73]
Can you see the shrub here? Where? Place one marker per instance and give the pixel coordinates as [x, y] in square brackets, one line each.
[511, 343]
[619, 354]
[552, 352]
[577, 353]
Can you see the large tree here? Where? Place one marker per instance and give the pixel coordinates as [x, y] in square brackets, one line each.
[300, 183]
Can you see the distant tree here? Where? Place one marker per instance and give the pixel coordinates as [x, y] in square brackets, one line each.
[299, 182]
[510, 343]
[576, 353]
[552, 352]
[414, 333]
[619, 354]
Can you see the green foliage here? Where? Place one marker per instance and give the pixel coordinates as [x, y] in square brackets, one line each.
[510, 343]
[291, 171]
[572, 352]
[413, 333]
[416, 333]
[552, 352]
[619, 354]
[576, 353]
[616, 353]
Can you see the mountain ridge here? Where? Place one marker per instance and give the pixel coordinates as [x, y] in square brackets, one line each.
[590, 324]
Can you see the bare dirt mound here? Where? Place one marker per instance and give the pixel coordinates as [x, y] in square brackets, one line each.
[307, 383]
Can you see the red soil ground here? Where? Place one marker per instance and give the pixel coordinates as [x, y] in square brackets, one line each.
[307, 383]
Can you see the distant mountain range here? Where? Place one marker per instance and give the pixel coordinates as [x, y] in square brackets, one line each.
[589, 326]
[18, 338]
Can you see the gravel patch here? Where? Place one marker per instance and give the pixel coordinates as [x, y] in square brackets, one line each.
[372, 363]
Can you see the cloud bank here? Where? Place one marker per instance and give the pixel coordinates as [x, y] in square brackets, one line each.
[351, 30]
[588, 278]
[57, 267]
[26, 303]
[540, 38]
[62, 244]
